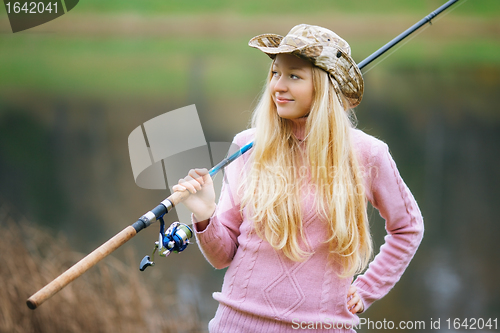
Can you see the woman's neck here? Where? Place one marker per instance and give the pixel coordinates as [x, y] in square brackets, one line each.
[299, 127]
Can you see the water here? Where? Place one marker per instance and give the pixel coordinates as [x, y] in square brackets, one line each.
[65, 165]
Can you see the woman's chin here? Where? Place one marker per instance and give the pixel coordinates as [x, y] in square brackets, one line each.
[289, 116]
[285, 114]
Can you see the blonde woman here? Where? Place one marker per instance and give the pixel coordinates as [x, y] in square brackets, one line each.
[291, 222]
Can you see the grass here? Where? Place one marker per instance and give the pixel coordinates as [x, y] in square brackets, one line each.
[152, 68]
[108, 298]
[119, 66]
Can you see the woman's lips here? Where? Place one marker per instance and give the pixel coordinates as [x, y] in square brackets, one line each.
[283, 100]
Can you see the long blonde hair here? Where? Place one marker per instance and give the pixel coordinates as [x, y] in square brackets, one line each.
[272, 189]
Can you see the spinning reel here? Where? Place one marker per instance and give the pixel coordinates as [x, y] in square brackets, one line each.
[175, 239]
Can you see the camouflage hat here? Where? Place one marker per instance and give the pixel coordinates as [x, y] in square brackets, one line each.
[325, 49]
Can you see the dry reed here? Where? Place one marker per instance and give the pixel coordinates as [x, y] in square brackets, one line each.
[108, 298]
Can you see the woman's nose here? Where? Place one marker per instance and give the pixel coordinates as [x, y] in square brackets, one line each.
[280, 84]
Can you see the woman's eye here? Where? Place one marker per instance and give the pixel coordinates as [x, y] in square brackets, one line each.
[295, 77]
[274, 73]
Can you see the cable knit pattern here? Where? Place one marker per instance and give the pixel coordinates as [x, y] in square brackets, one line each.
[263, 291]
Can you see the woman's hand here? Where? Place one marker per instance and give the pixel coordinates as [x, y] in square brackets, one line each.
[354, 302]
[201, 201]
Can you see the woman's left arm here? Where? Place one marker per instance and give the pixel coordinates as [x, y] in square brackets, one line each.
[404, 224]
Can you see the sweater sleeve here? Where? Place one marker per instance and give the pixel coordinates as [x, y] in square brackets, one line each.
[403, 221]
[219, 240]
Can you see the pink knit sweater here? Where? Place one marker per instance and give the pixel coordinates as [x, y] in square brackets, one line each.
[263, 291]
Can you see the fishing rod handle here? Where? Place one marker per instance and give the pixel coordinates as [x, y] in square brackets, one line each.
[104, 250]
[80, 267]
[175, 199]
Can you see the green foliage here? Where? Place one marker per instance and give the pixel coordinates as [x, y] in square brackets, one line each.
[147, 65]
[279, 7]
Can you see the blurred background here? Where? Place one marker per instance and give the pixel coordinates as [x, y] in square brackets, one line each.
[73, 89]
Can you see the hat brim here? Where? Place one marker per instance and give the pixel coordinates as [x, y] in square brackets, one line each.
[270, 45]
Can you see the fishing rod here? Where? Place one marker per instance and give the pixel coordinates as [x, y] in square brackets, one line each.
[405, 34]
[176, 237]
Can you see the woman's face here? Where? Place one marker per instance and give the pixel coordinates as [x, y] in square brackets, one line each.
[291, 86]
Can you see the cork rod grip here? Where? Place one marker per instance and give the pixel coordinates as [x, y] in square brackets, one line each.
[80, 267]
[178, 197]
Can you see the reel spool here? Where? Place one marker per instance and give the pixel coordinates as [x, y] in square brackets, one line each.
[175, 239]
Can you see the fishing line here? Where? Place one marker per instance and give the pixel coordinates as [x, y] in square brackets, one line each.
[411, 38]
[396, 49]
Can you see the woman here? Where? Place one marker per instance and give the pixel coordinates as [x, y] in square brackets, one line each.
[291, 221]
